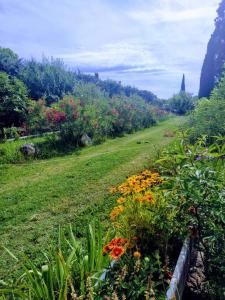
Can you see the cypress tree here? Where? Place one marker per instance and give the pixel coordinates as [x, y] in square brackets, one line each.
[213, 65]
[183, 89]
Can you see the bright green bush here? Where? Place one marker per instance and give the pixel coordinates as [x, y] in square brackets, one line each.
[195, 184]
[209, 116]
[13, 101]
[207, 119]
[181, 103]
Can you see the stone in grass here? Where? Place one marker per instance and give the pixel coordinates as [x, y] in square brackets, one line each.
[85, 140]
[28, 150]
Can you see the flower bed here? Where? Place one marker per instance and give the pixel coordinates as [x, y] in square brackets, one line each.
[144, 254]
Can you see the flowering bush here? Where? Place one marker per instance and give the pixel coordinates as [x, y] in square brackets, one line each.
[144, 221]
[142, 211]
[98, 118]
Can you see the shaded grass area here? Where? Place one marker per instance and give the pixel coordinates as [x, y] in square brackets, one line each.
[36, 197]
[48, 146]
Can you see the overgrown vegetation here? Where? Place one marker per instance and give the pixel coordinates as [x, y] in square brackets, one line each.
[208, 118]
[50, 80]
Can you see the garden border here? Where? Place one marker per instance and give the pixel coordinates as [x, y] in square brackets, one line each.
[178, 280]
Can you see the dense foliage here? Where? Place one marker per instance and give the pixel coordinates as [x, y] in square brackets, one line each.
[92, 113]
[181, 103]
[51, 80]
[13, 101]
[195, 183]
[9, 62]
[214, 60]
[209, 116]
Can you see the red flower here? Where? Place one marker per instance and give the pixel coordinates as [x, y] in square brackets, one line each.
[117, 252]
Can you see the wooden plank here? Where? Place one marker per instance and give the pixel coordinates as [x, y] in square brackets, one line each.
[178, 280]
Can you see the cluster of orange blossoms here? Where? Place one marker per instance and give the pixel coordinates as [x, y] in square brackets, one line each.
[135, 189]
[147, 197]
[116, 211]
[138, 183]
[116, 248]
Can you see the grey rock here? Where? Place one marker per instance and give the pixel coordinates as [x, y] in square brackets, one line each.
[28, 150]
[85, 140]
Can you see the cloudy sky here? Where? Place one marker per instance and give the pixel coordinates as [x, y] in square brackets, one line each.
[144, 43]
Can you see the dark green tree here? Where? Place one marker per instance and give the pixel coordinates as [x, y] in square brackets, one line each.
[13, 101]
[213, 65]
[49, 79]
[9, 62]
[183, 88]
[181, 103]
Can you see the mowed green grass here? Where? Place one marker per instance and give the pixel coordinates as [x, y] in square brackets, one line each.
[37, 197]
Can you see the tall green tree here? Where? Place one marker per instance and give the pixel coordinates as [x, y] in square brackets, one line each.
[48, 79]
[9, 62]
[183, 88]
[13, 101]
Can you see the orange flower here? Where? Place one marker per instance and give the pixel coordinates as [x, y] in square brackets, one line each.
[116, 211]
[117, 252]
[121, 200]
[137, 254]
[149, 197]
[113, 190]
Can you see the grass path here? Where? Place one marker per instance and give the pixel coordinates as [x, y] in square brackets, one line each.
[36, 197]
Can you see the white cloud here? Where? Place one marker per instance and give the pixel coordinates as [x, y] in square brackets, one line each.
[159, 16]
[109, 55]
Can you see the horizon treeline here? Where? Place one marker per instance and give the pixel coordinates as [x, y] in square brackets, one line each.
[51, 79]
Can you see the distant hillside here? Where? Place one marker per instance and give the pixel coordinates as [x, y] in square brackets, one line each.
[213, 65]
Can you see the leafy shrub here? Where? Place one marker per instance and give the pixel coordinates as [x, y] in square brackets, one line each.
[181, 103]
[195, 183]
[207, 119]
[143, 220]
[13, 101]
[135, 277]
[36, 121]
[209, 116]
[74, 117]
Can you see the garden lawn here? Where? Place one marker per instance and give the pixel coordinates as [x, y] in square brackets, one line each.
[37, 197]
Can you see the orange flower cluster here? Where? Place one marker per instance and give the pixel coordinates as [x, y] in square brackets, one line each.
[116, 211]
[116, 248]
[147, 197]
[139, 183]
